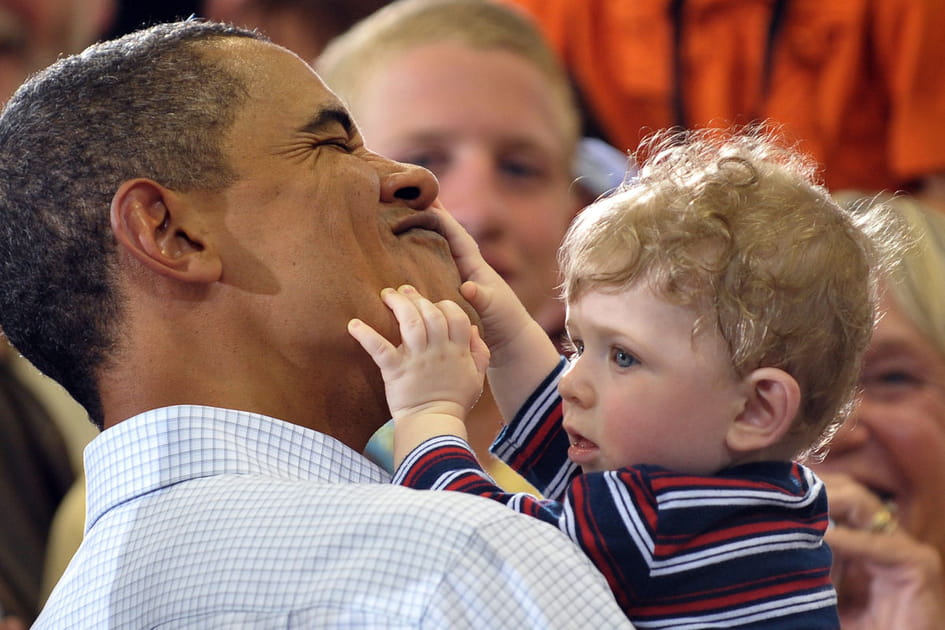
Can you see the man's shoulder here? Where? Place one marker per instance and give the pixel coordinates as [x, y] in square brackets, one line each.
[451, 515]
[260, 531]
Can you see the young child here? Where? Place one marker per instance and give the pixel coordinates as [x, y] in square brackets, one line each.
[718, 306]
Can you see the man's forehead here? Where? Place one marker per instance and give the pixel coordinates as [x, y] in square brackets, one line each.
[247, 56]
[275, 74]
[285, 103]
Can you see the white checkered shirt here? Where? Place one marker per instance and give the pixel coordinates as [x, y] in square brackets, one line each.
[210, 518]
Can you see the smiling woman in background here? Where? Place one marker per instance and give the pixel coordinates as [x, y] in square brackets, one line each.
[885, 471]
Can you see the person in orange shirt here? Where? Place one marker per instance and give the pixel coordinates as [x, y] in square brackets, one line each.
[859, 83]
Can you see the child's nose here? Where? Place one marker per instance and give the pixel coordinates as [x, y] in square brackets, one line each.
[574, 387]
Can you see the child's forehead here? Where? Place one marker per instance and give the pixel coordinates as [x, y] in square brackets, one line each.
[645, 320]
[608, 306]
[647, 280]
[605, 302]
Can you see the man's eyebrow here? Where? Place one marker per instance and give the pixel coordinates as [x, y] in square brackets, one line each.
[326, 117]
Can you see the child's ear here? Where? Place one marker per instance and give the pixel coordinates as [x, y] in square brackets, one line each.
[162, 229]
[770, 408]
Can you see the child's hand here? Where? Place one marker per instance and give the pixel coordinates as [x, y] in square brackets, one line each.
[504, 318]
[522, 354]
[439, 367]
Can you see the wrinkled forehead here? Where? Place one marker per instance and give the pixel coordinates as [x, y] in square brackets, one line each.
[281, 90]
[262, 65]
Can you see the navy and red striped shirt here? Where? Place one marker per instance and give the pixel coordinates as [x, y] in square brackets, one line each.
[743, 548]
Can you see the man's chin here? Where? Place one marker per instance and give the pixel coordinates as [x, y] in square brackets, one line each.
[437, 278]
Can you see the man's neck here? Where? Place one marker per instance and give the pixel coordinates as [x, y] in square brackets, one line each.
[342, 398]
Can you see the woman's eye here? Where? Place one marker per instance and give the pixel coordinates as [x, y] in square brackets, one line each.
[897, 378]
[623, 358]
[889, 384]
[520, 169]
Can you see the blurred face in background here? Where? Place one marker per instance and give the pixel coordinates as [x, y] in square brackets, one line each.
[33, 33]
[894, 444]
[490, 128]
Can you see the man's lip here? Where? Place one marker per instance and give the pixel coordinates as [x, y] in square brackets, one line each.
[418, 220]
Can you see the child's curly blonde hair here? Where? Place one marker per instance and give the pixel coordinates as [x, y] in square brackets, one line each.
[734, 225]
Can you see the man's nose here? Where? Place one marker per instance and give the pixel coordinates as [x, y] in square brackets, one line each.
[410, 184]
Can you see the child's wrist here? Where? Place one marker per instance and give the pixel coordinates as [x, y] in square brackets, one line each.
[433, 422]
[444, 411]
[412, 430]
[521, 346]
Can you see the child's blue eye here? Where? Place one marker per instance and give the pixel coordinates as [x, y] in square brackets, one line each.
[575, 347]
[622, 358]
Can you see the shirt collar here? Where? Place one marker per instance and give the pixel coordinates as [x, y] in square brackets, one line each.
[165, 446]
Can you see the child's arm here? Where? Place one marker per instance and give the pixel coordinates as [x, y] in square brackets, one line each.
[435, 375]
[522, 353]
[592, 513]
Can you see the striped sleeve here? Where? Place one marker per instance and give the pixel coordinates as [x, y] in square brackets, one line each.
[594, 514]
[535, 445]
[743, 549]
[448, 463]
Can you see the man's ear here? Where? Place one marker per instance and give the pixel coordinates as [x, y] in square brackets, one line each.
[770, 409]
[160, 228]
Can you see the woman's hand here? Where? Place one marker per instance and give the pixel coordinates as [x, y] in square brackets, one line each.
[884, 577]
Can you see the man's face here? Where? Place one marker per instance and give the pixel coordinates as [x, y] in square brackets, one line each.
[316, 225]
[489, 126]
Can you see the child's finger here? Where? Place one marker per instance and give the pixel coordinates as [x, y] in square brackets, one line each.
[380, 350]
[463, 246]
[478, 296]
[479, 350]
[413, 329]
[456, 320]
[433, 319]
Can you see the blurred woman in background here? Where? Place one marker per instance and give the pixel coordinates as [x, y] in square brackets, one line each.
[885, 471]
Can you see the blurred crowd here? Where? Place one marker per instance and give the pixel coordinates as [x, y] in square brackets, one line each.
[519, 146]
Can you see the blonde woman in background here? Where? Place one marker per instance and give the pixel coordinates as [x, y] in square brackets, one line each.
[885, 471]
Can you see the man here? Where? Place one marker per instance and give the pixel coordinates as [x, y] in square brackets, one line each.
[189, 220]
